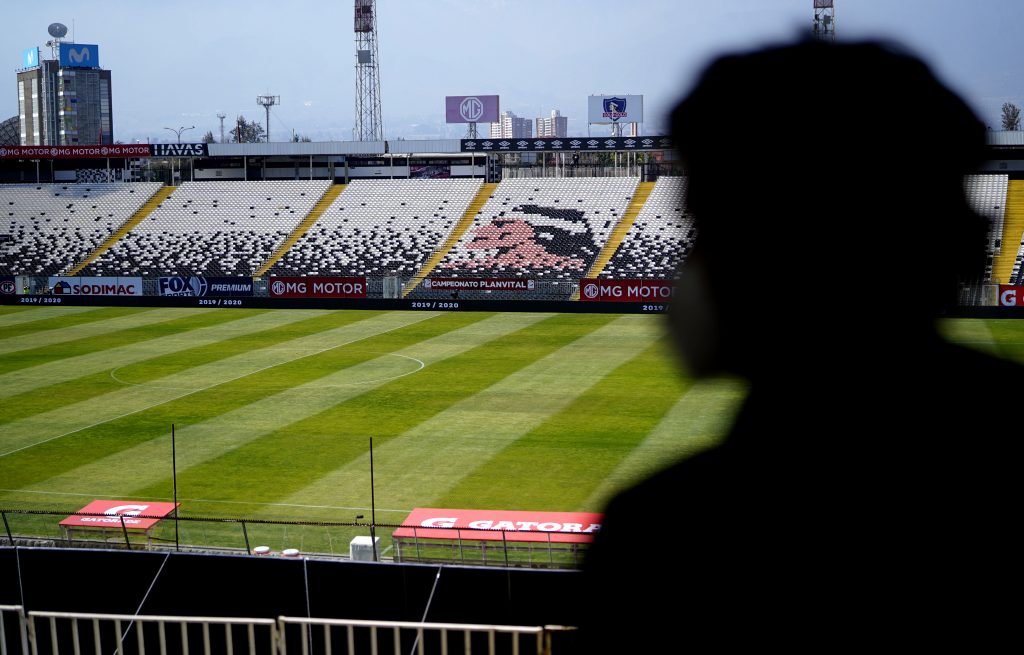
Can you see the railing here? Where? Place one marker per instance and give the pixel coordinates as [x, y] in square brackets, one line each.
[286, 538]
[120, 634]
[13, 630]
[82, 633]
[374, 637]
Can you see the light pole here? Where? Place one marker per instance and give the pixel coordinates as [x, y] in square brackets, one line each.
[180, 130]
[178, 133]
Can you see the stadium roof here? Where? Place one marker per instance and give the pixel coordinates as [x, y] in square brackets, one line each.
[1006, 139]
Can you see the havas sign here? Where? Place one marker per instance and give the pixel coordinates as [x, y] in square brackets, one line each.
[179, 150]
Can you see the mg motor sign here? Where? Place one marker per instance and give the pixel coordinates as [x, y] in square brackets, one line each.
[75, 152]
[496, 525]
[1011, 295]
[615, 109]
[471, 109]
[109, 514]
[477, 284]
[598, 290]
[317, 287]
[95, 286]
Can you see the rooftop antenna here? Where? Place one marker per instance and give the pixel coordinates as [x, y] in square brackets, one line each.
[58, 31]
[369, 126]
[221, 115]
[267, 102]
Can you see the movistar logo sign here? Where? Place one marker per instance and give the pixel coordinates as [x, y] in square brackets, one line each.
[79, 54]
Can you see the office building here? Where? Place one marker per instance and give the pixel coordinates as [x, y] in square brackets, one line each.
[512, 127]
[554, 126]
[64, 101]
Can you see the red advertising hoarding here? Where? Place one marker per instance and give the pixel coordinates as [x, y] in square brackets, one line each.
[317, 287]
[109, 514]
[496, 524]
[598, 290]
[75, 152]
[1011, 296]
[477, 284]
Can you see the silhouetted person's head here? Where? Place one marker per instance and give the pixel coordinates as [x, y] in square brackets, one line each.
[827, 185]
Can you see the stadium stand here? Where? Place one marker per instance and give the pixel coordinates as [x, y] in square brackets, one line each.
[1007, 265]
[548, 230]
[212, 228]
[660, 237]
[380, 227]
[50, 227]
[986, 195]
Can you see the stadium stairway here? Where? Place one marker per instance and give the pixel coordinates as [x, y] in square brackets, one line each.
[643, 191]
[314, 215]
[1013, 233]
[136, 218]
[485, 192]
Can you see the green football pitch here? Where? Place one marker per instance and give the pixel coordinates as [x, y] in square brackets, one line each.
[273, 413]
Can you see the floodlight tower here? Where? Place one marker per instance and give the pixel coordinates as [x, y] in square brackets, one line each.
[825, 20]
[369, 126]
[221, 115]
[267, 102]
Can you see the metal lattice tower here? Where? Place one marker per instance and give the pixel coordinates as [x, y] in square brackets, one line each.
[267, 102]
[369, 126]
[824, 20]
[221, 116]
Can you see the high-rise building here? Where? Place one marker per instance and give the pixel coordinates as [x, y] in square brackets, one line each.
[64, 101]
[555, 125]
[512, 127]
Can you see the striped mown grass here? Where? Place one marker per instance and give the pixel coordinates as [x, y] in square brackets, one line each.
[274, 409]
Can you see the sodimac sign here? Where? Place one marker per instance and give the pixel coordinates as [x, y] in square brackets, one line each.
[95, 286]
[110, 514]
[495, 525]
[599, 290]
[317, 287]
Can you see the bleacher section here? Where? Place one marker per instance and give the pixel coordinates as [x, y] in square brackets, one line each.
[660, 237]
[986, 194]
[212, 228]
[48, 228]
[549, 230]
[380, 227]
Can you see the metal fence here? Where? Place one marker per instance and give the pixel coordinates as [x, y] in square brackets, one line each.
[44, 632]
[288, 538]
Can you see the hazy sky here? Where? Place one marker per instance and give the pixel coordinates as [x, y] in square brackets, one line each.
[179, 63]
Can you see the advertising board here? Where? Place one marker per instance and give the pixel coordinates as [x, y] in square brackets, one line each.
[615, 109]
[317, 287]
[194, 286]
[109, 514]
[495, 525]
[600, 290]
[471, 109]
[1011, 295]
[79, 55]
[95, 286]
[562, 144]
[477, 284]
[30, 58]
[8, 285]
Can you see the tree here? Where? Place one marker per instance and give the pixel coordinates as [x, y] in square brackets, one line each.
[208, 137]
[300, 138]
[247, 131]
[1011, 116]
